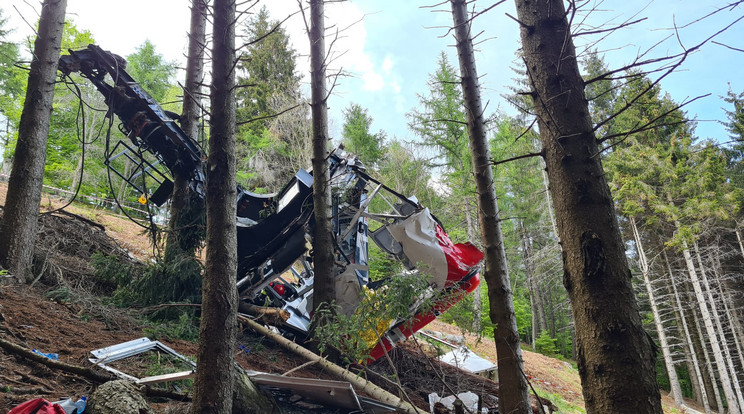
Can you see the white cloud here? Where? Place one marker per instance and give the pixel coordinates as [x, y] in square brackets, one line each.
[373, 81]
[387, 64]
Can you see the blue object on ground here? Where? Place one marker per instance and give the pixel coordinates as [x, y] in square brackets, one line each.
[54, 357]
[80, 405]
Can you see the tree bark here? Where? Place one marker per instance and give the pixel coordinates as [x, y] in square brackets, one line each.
[324, 286]
[614, 354]
[513, 389]
[676, 390]
[213, 385]
[189, 122]
[20, 215]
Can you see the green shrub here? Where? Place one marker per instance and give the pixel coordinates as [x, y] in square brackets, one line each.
[185, 327]
[111, 271]
[355, 335]
[545, 345]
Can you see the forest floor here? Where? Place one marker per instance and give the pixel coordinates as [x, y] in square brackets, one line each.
[71, 326]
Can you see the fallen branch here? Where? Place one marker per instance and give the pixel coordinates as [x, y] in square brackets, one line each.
[24, 391]
[358, 382]
[73, 369]
[78, 217]
[305, 365]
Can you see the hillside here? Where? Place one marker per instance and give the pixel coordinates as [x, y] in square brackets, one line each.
[73, 323]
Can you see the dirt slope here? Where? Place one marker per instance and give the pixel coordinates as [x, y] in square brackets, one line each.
[128, 234]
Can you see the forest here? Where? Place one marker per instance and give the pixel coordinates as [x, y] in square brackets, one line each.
[617, 241]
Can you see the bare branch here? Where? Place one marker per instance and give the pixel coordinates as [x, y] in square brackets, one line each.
[267, 34]
[727, 46]
[670, 70]
[649, 125]
[518, 21]
[274, 115]
[518, 157]
[592, 32]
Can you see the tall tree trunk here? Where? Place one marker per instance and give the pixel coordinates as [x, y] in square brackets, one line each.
[477, 304]
[546, 186]
[536, 302]
[551, 312]
[542, 303]
[665, 351]
[739, 400]
[735, 326]
[615, 355]
[217, 333]
[20, 216]
[695, 374]
[5, 162]
[513, 390]
[709, 380]
[324, 286]
[728, 391]
[531, 288]
[189, 123]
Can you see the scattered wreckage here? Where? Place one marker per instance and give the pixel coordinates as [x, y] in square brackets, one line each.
[273, 230]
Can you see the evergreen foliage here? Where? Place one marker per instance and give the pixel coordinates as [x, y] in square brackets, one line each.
[358, 139]
[355, 335]
[273, 123]
[266, 67]
[151, 70]
[735, 127]
[13, 88]
[546, 345]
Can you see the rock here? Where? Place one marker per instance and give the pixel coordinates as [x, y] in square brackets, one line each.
[118, 397]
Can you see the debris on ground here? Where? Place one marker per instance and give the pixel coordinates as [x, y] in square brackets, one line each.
[462, 357]
[105, 357]
[469, 401]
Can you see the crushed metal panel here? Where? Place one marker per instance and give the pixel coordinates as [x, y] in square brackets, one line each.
[333, 393]
[128, 349]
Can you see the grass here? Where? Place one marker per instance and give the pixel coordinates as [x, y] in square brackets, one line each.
[562, 405]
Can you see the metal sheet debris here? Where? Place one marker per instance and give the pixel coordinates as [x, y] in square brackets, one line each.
[462, 357]
[334, 393]
[103, 356]
[467, 360]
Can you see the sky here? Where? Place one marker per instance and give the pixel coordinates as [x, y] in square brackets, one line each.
[389, 48]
